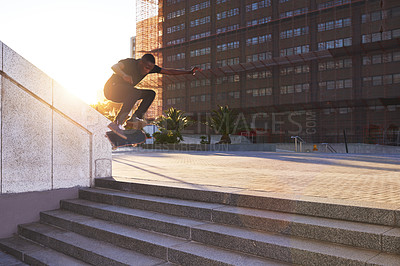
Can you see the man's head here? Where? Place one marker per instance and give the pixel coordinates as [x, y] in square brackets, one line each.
[148, 62]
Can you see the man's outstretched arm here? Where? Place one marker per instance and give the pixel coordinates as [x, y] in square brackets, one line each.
[171, 71]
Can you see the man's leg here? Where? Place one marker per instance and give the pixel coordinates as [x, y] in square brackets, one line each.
[125, 110]
[127, 95]
[148, 97]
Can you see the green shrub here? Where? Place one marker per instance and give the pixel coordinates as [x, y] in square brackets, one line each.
[170, 125]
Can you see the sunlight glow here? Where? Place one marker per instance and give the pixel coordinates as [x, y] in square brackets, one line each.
[75, 42]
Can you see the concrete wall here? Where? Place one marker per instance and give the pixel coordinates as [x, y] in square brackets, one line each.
[50, 139]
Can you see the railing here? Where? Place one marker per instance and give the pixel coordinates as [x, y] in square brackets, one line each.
[298, 142]
[329, 147]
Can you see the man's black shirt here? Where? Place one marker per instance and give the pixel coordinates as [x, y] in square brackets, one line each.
[131, 68]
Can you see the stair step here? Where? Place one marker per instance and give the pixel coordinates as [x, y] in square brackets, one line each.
[34, 254]
[153, 221]
[372, 213]
[200, 254]
[363, 235]
[173, 249]
[270, 246]
[8, 260]
[177, 207]
[83, 248]
[283, 248]
[376, 237]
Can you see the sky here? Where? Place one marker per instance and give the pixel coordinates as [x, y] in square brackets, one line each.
[75, 42]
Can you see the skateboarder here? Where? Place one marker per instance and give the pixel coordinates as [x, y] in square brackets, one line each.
[120, 88]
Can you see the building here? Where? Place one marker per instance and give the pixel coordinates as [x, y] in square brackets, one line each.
[148, 40]
[292, 67]
[133, 47]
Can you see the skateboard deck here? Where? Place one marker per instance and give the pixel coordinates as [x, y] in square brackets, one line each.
[134, 137]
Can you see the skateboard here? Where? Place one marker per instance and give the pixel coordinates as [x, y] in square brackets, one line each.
[134, 137]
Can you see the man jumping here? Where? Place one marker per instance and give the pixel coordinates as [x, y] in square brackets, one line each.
[120, 88]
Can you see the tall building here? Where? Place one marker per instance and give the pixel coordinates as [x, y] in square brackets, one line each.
[133, 47]
[148, 40]
[312, 68]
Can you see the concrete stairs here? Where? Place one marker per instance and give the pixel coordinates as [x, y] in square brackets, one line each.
[121, 223]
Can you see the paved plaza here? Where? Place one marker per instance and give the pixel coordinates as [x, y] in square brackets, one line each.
[365, 180]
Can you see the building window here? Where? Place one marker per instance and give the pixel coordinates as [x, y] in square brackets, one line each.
[396, 78]
[176, 14]
[200, 35]
[377, 81]
[177, 41]
[200, 52]
[175, 57]
[380, 36]
[379, 58]
[294, 70]
[387, 79]
[228, 28]
[258, 57]
[173, 101]
[295, 50]
[228, 62]
[200, 21]
[335, 84]
[334, 24]
[200, 6]
[176, 28]
[227, 46]
[228, 13]
[200, 83]
[176, 86]
[333, 3]
[334, 44]
[259, 92]
[292, 13]
[258, 21]
[258, 39]
[258, 5]
[172, 2]
[230, 79]
[259, 75]
[293, 32]
[200, 98]
[222, 1]
[234, 94]
[396, 56]
[203, 66]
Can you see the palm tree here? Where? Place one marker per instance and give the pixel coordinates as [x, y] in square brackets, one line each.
[171, 125]
[223, 122]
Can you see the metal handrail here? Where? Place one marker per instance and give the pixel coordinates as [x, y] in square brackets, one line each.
[300, 140]
[329, 147]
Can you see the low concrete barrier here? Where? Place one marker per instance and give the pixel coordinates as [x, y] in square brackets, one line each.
[359, 148]
[50, 139]
[210, 147]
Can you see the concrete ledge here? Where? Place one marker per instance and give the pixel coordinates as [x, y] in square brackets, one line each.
[211, 147]
[50, 139]
[354, 148]
[25, 207]
[28, 75]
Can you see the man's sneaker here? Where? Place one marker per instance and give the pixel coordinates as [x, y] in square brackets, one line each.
[135, 123]
[117, 129]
